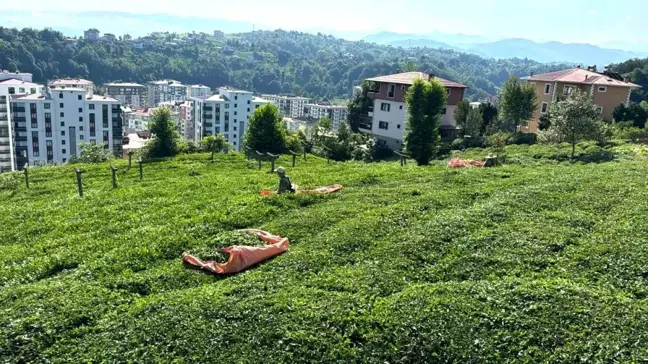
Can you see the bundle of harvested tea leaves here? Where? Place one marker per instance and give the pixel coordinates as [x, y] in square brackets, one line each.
[211, 251]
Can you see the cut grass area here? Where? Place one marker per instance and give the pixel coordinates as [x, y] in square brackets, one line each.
[405, 264]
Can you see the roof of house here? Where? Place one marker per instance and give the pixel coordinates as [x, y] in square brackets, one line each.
[199, 86]
[125, 84]
[580, 76]
[408, 78]
[71, 81]
[167, 82]
[101, 98]
[16, 82]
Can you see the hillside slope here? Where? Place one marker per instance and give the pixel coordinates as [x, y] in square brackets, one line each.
[543, 263]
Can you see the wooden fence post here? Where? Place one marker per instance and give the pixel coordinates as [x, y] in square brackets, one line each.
[403, 158]
[27, 175]
[130, 156]
[114, 176]
[328, 154]
[79, 183]
[140, 168]
[273, 158]
[294, 157]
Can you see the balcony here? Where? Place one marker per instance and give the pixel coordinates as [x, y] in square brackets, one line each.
[19, 118]
[207, 116]
[18, 109]
[208, 125]
[208, 108]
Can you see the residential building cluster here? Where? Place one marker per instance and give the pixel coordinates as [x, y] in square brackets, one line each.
[297, 109]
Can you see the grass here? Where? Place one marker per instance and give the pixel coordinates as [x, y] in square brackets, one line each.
[406, 264]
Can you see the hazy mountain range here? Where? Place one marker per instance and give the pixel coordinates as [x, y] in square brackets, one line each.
[73, 24]
[509, 48]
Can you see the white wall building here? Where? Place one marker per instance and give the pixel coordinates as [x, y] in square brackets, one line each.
[289, 106]
[165, 90]
[51, 125]
[227, 113]
[335, 112]
[198, 91]
[132, 94]
[6, 75]
[73, 83]
[11, 88]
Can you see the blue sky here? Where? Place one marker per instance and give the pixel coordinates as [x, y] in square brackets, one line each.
[601, 22]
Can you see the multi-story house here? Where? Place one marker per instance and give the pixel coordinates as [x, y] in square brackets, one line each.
[140, 119]
[6, 75]
[165, 90]
[289, 106]
[198, 90]
[91, 34]
[607, 89]
[50, 126]
[132, 94]
[10, 88]
[334, 112]
[227, 113]
[387, 119]
[73, 83]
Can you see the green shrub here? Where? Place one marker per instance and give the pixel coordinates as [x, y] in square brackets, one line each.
[523, 138]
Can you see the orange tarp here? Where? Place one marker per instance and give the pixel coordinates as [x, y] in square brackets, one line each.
[321, 190]
[242, 257]
[458, 163]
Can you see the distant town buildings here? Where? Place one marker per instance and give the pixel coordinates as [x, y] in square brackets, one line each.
[109, 37]
[165, 90]
[226, 113]
[289, 106]
[607, 89]
[139, 119]
[199, 90]
[6, 75]
[387, 119]
[132, 94]
[336, 113]
[91, 34]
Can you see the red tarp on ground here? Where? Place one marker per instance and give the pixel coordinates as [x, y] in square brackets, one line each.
[242, 257]
[458, 163]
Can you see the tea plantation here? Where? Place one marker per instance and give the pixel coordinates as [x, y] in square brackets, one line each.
[528, 263]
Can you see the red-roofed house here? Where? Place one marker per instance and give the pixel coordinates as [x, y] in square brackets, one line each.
[607, 89]
[387, 120]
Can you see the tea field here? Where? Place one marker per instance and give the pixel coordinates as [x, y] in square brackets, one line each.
[524, 263]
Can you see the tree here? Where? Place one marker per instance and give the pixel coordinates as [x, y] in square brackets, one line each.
[574, 119]
[489, 115]
[425, 101]
[265, 131]
[473, 123]
[359, 107]
[619, 113]
[544, 122]
[461, 114]
[518, 101]
[91, 153]
[165, 142]
[214, 143]
[638, 115]
[343, 132]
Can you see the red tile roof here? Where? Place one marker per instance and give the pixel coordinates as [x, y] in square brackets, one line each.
[580, 76]
[408, 78]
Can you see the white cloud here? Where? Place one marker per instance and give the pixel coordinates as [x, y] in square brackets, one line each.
[593, 12]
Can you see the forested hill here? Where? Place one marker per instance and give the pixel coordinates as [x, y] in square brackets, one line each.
[637, 70]
[265, 61]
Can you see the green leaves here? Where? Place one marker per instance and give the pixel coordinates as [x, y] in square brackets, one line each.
[266, 132]
[425, 101]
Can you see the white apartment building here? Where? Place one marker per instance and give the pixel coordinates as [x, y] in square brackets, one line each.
[132, 94]
[334, 112]
[198, 91]
[10, 88]
[50, 126]
[227, 113]
[6, 75]
[73, 83]
[165, 90]
[139, 119]
[289, 106]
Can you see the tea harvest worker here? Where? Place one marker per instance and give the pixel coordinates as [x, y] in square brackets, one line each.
[284, 182]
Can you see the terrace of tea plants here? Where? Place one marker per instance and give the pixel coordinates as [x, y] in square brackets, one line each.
[524, 262]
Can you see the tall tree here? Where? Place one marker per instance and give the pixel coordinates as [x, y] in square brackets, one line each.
[461, 114]
[359, 107]
[473, 123]
[266, 132]
[489, 115]
[214, 143]
[574, 119]
[165, 142]
[425, 101]
[518, 101]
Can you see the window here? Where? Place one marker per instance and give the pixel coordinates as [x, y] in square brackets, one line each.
[80, 109]
[234, 127]
[63, 142]
[248, 109]
[61, 105]
[235, 113]
[21, 90]
[547, 89]
[32, 91]
[80, 97]
[60, 95]
[235, 97]
[448, 91]
[81, 128]
[599, 109]
[92, 141]
[91, 107]
[383, 125]
[62, 114]
[401, 107]
[248, 102]
[402, 87]
[391, 90]
[47, 106]
[227, 106]
[444, 111]
[567, 90]
[256, 106]
[64, 160]
[602, 89]
[544, 108]
[385, 107]
[12, 90]
[62, 132]
[81, 136]
[235, 105]
[398, 126]
[63, 151]
[62, 123]
[80, 118]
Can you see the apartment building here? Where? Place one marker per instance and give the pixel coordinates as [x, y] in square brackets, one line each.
[50, 126]
[387, 119]
[165, 90]
[75, 83]
[198, 90]
[607, 89]
[132, 94]
[181, 111]
[227, 113]
[334, 112]
[140, 119]
[289, 106]
[6, 75]
[10, 88]
[91, 34]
